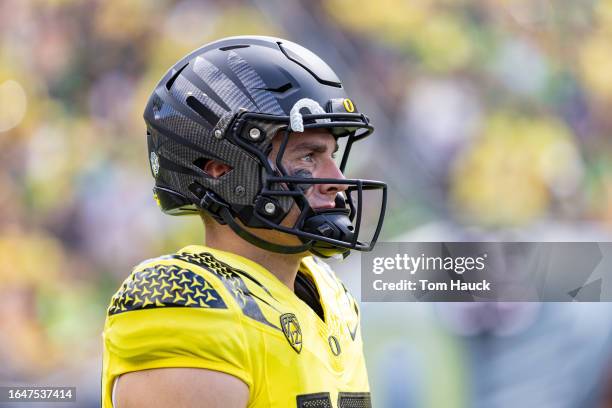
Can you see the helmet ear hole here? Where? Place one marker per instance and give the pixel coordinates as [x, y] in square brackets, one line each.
[200, 162]
[212, 168]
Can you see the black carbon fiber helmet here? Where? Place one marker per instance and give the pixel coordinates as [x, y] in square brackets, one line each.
[225, 102]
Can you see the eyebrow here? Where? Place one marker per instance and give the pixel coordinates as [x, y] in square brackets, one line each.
[315, 147]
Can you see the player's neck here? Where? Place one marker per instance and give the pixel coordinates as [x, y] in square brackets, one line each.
[283, 266]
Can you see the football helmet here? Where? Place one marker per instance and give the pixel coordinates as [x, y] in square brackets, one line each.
[225, 102]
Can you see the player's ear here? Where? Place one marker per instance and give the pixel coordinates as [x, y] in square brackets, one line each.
[215, 168]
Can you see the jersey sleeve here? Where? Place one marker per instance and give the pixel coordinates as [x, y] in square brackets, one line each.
[167, 315]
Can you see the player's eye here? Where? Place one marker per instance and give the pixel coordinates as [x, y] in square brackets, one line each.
[308, 158]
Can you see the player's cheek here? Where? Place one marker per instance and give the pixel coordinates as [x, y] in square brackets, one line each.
[301, 170]
[292, 217]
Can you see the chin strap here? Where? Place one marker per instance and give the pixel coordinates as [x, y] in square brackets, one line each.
[221, 211]
[255, 240]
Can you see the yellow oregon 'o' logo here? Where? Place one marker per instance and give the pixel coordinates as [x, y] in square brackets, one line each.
[348, 105]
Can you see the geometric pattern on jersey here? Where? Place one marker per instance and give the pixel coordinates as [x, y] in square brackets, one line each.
[317, 400]
[354, 400]
[165, 286]
[345, 400]
[232, 280]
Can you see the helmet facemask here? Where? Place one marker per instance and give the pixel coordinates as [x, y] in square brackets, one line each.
[324, 232]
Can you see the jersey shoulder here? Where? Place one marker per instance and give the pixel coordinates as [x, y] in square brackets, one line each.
[166, 281]
[195, 279]
[181, 310]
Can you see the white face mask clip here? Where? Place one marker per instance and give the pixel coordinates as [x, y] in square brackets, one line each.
[295, 117]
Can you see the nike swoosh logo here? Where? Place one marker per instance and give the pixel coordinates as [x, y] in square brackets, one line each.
[353, 332]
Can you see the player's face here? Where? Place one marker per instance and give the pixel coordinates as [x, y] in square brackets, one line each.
[311, 154]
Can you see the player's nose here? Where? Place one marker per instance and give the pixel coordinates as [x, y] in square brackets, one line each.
[332, 171]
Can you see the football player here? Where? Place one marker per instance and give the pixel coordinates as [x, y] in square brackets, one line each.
[244, 132]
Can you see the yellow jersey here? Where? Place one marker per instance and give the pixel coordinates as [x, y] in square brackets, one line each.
[205, 308]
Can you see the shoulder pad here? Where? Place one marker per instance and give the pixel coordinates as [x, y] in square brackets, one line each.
[324, 266]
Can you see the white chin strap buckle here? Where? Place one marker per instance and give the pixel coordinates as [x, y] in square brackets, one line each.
[295, 117]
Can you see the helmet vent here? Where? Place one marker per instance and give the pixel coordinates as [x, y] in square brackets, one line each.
[202, 110]
[311, 63]
[173, 78]
[233, 47]
[280, 89]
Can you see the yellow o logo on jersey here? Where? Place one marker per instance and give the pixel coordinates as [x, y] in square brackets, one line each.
[334, 345]
[348, 105]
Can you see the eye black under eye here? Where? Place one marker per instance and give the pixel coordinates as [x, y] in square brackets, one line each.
[302, 173]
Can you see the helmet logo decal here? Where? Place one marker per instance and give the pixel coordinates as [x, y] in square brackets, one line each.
[295, 117]
[154, 163]
[291, 329]
[348, 105]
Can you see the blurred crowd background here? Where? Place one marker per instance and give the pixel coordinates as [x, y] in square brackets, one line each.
[493, 123]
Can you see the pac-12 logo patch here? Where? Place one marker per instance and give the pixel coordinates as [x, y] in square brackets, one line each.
[292, 331]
